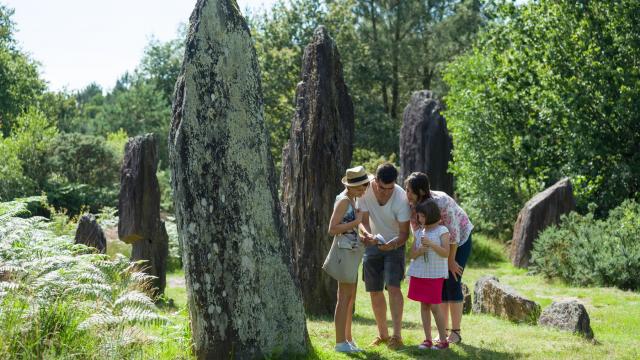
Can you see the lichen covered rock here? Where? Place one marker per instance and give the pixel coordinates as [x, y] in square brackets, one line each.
[568, 316]
[242, 298]
[492, 297]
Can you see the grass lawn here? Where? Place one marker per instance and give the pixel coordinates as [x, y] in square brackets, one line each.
[615, 319]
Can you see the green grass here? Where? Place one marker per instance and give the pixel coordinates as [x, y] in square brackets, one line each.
[615, 319]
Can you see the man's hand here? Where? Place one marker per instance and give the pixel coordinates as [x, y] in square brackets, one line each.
[455, 269]
[368, 239]
[391, 245]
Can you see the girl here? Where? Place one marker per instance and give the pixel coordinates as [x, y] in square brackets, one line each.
[428, 269]
[344, 221]
[456, 220]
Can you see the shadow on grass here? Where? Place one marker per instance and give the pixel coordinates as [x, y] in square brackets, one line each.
[469, 352]
[360, 320]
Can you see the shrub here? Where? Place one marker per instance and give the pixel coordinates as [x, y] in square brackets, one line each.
[585, 251]
[59, 298]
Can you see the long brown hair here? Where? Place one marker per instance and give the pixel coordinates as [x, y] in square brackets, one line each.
[419, 184]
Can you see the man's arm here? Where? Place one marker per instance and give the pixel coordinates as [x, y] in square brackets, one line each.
[365, 229]
[403, 235]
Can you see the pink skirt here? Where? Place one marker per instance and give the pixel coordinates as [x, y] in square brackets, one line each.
[428, 291]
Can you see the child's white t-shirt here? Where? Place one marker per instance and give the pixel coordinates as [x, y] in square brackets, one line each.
[435, 266]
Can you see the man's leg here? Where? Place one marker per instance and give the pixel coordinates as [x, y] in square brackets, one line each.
[393, 275]
[379, 305]
[373, 269]
[396, 305]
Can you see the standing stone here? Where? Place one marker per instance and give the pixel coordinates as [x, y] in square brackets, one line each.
[139, 208]
[243, 300]
[90, 233]
[313, 162]
[425, 144]
[543, 210]
[568, 316]
[492, 297]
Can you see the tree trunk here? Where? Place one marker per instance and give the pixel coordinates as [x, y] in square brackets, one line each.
[243, 300]
[314, 161]
[139, 208]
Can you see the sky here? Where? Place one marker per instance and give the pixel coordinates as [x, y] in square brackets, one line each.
[78, 42]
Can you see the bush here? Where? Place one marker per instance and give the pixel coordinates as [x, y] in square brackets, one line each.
[585, 251]
[550, 90]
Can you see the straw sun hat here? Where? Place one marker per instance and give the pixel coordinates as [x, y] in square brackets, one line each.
[356, 176]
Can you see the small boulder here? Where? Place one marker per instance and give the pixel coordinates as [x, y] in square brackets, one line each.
[492, 297]
[569, 316]
[466, 307]
[90, 233]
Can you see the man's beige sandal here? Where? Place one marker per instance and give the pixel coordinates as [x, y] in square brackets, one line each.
[378, 340]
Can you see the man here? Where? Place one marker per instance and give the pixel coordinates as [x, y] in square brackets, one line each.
[386, 212]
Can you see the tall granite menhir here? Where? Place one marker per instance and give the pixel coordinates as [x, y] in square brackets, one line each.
[425, 144]
[243, 300]
[139, 208]
[313, 162]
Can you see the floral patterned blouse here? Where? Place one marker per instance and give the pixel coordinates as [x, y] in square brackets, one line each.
[453, 217]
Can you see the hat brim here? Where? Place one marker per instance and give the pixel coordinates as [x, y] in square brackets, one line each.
[369, 178]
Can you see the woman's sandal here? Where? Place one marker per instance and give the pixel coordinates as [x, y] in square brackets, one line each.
[457, 338]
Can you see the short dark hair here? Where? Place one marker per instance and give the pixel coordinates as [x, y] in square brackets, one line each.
[429, 208]
[387, 173]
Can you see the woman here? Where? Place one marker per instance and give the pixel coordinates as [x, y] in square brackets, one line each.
[343, 226]
[456, 220]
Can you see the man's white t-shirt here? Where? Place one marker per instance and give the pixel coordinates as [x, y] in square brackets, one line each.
[385, 219]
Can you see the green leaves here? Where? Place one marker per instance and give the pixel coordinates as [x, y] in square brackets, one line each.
[589, 252]
[547, 92]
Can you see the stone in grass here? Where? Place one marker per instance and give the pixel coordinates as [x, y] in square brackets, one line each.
[90, 233]
[466, 294]
[492, 297]
[569, 315]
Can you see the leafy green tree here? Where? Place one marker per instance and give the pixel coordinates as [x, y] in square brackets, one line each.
[161, 63]
[23, 155]
[550, 90]
[20, 84]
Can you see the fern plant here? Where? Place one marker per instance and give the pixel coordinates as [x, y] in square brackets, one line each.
[59, 298]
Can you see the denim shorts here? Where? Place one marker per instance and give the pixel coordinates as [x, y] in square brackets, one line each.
[452, 289]
[386, 268]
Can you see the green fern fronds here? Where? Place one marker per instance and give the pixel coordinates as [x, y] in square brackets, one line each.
[134, 298]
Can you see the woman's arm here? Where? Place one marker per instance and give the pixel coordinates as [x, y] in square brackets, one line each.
[443, 248]
[339, 210]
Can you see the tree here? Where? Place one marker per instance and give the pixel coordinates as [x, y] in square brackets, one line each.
[550, 90]
[20, 84]
[390, 49]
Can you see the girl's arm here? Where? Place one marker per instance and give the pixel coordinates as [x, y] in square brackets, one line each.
[339, 210]
[442, 249]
